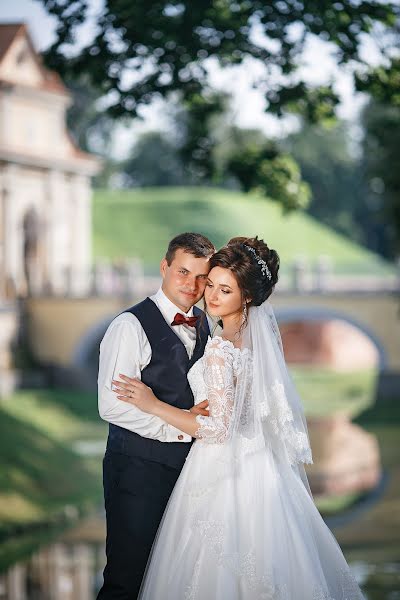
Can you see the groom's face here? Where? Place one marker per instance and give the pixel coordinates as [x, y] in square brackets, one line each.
[184, 279]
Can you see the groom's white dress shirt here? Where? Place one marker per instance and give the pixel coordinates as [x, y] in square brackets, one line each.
[125, 349]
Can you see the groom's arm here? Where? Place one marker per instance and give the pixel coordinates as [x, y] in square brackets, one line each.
[126, 349]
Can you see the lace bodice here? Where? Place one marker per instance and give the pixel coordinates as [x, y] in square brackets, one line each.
[213, 377]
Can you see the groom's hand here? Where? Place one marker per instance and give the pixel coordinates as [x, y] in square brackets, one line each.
[201, 409]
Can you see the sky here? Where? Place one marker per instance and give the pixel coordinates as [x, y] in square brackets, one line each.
[248, 106]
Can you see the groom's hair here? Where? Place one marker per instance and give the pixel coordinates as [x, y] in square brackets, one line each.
[192, 243]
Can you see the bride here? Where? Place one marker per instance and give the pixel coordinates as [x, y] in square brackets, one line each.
[241, 523]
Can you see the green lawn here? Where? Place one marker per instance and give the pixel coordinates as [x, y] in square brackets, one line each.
[40, 473]
[325, 391]
[141, 222]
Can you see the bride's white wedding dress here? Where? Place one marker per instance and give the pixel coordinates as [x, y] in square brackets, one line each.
[241, 524]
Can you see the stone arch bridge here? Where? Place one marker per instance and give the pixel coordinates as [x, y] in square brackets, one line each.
[64, 333]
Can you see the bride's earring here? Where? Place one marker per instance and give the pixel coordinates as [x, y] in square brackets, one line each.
[244, 313]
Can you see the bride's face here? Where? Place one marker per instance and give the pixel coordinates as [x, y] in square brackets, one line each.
[222, 294]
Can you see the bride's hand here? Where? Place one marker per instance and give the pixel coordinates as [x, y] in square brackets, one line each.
[135, 392]
[201, 409]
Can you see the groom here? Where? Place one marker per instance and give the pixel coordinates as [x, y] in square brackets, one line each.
[158, 340]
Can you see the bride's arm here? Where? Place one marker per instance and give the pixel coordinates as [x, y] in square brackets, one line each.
[140, 395]
[218, 375]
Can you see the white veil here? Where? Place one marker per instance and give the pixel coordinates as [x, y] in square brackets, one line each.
[267, 410]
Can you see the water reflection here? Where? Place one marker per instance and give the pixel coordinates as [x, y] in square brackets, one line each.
[71, 569]
[61, 571]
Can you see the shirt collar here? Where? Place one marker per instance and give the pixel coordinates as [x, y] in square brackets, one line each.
[168, 308]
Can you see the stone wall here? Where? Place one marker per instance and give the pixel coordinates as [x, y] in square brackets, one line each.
[9, 324]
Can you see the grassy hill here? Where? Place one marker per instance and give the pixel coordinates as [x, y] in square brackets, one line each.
[141, 222]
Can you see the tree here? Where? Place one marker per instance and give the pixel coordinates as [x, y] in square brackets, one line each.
[381, 145]
[152, 48]
[91, 128]
[334, 175]
[258, 163]
[155, 161]
[358, 194]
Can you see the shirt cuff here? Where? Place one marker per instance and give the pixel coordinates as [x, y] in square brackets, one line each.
[176, 435]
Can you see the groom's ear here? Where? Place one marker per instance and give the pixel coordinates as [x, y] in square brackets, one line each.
[163, 267]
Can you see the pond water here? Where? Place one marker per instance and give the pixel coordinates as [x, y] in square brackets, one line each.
[70, 568]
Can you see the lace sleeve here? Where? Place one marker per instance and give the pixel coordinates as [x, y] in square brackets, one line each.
[219, 381]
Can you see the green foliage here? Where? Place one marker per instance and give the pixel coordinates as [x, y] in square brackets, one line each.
[383, 82]
[166, 44]
[91, 128]
[316, 104]
[263, 168]
[381, 145]
[154, 161]
[356, 193]
[149, 49]
[335, 178]
[201, 110]
[234, 158]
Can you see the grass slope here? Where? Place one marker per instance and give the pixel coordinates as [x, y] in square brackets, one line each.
[40, 473]
[140, 223]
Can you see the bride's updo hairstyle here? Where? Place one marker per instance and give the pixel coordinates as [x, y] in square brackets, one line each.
[242, 261]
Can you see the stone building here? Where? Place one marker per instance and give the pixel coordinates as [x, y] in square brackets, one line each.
[45, 193]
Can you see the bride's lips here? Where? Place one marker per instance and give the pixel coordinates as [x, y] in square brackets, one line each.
[211, 305]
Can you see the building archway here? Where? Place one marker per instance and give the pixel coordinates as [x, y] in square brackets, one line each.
[31, 251]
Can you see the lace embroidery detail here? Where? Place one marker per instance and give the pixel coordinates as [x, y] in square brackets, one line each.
[281, 419]
[191, 590]
[320, 594]
[219, 373]
[225, 371]
[255, 444]
[281, 412]
[350, 589]
[213, 533]
[242, 566]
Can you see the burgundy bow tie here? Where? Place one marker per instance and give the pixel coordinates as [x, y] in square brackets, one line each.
[180, 319]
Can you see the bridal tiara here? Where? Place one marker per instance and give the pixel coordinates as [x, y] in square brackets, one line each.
[264, 267]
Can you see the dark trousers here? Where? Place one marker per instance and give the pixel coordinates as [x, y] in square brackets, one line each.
[136, 492]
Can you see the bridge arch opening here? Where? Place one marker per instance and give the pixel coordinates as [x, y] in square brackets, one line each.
[334, 359]
[321, 336]
[86, 355]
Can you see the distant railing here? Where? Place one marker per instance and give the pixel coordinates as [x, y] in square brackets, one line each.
[324, 278]
[129, 279]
